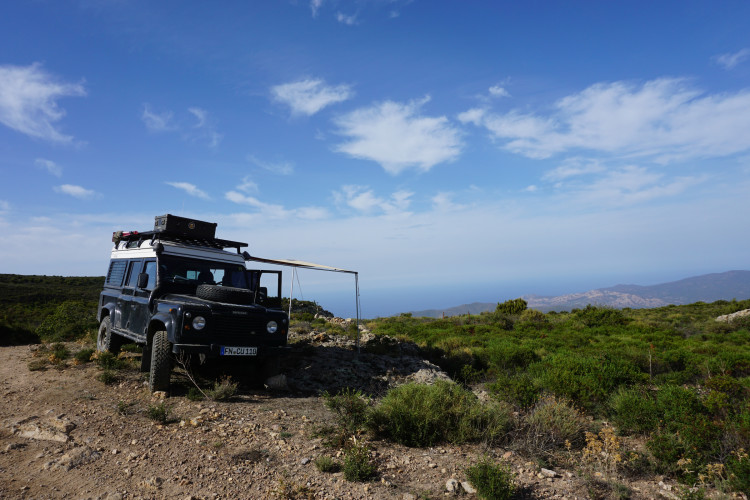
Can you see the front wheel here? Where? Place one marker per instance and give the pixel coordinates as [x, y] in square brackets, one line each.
[161, 363]
[106, 341]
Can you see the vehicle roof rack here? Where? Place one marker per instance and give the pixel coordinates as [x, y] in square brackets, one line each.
[139, 237]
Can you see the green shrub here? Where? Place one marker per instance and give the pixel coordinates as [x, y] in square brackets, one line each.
[553, 423]
[423, 415]
[71, 320]
[222, 390]
[520, 389]
[108, 378]
[108, 361]
[491, 480]
[84, 355]
[531, 318]
[324, 463]
[738, 467]
[195, 394]
[634, 411]
[357, 464]
[158, 413]
[350, 408]
[592, 316]
[587, 380]
[514, 306]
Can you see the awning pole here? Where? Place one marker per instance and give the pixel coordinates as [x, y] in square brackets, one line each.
[356, 294]
[291, 293]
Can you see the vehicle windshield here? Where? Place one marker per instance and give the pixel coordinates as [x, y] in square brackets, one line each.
[201, 272]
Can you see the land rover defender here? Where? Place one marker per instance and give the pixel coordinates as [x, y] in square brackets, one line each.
[181, 293]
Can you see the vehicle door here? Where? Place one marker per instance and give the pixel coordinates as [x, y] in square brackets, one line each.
[267, 287]
[139, 313]
[125, 300]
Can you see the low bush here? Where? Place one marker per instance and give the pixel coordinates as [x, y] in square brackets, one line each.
[634, 411]
[520, 390]
[422, 415]
[72, 319]
[84, 355]
[357, 465]
[107, 377]
[222, 390]
[109, 361]
[350, 408]
[158, 413]
[552, 423]
[491, 480]
[324, 463]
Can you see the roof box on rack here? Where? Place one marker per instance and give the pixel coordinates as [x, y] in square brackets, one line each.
[180, 226]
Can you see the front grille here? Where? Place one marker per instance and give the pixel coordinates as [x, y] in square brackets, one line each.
[241, 330]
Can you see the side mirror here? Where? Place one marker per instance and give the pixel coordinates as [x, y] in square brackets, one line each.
[142, 280]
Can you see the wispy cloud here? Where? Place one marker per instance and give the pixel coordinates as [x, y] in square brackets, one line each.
[573, 167]
[157, 122]
[443, 202]
[282, 167]
[732, 59]
[77, 192]
[315, 6]
[662, 119]
[190, 189]
[271, 211]
[247, 185]
[202, 130]
[349, 20]
[307, 97]
[50, 166]
[28, 101]
[398, 137]
[363, 199]
[498, 91]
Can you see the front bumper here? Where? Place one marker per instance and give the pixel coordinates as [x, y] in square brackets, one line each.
[214, 350]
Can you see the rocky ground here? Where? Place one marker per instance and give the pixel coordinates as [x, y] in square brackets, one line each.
[65, 434]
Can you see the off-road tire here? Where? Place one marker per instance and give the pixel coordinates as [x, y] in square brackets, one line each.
[226, 294]
[106, 341]
[161, 363]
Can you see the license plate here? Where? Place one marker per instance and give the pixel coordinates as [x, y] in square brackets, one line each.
[239, 351]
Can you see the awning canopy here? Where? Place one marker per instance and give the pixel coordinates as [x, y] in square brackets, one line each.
[299, 263]
[318, 267]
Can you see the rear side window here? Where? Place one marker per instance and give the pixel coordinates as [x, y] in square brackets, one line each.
[135, 268]
[116, 272]
[151, 271]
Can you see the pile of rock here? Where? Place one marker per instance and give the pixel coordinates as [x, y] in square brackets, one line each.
[728, 318]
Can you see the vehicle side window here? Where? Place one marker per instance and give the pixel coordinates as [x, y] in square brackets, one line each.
[116, 272]
[135, 268]
[151, 271]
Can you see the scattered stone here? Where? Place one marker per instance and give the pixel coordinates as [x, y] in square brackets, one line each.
[76, 457]
[48, 429]
[548, 473]
[728, 318]
[14, 446]
[159, 395]
[305, 461]
[468, 488]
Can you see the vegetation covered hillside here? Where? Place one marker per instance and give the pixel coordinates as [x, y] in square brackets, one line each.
[25, 302]
[672, 377]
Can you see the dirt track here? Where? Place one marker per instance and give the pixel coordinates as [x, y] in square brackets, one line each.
[259, 445]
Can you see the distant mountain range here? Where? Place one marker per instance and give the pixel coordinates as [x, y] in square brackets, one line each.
[706, 288]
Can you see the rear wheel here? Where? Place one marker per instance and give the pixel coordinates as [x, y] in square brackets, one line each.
[161, 363]
[106, 341]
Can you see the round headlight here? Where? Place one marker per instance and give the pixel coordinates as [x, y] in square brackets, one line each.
[199, 322]
[271, 327]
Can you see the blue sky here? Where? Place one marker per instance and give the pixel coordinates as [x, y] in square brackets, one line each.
[449, 151]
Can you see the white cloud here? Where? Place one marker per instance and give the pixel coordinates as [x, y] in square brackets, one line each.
[573, 167]
[362, 199]
[729, 61]
[398, 137]
[346, 19]
[473, 116]
[200, 115]
[498, 91]
[248, 185]
[28, 101]
[443, 202]
[315, 6]
[271, 211]
[157, 122]
[190, 189]
[50, 166]
[309, 96]
[4, 206]
[282, 168]
[663, 119]
[76, 192]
